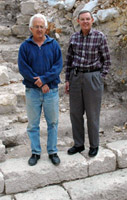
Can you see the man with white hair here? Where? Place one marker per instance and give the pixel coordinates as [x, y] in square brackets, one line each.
[40, 63]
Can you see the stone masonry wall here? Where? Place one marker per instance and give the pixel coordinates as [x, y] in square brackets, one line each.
[110, 17]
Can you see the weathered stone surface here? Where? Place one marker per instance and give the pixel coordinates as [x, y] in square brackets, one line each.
[4, 78]
[120, 149]
[107, 186]
[6, 197]
[47, 193]
[9, 53]
[21, 177]
[13, 138]
[19, 90]
[20, 30]
[108, 14]
[5, 31]
[1, 182]
[27, 8]
[105, 161]
[69, 4]
[90, 5]
[2, 152]
[8, 103]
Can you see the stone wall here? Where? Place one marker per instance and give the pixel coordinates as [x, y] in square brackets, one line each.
[110, 17]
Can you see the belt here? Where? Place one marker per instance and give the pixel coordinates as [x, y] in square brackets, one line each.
[84, 70]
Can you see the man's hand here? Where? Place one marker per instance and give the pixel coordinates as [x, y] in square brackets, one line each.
[38, 81]
[45, 88]
[67, 87]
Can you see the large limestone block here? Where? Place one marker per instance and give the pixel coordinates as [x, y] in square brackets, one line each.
[120, 149]
[47, 193]
[90, 5]
[105, 161]
[107, 14]
[10, 53]
[108, 186]
[8, 103]
[5, 31]
[2, 152]
[69, 4]
[23, 19]
[2, 7]
[21, 31]
[19, 176]
[4, 78]
[6, 198]
[28, 8]
[19, 90]
[1, 183]
[14, 137]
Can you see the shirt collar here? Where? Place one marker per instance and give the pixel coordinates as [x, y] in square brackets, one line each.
[90, 32]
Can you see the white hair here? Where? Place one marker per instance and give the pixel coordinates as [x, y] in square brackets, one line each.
[38, 16]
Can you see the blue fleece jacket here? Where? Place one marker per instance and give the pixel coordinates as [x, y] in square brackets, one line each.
[44, 61]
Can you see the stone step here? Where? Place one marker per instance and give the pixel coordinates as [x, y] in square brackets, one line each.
[17, 176]
[108, 186]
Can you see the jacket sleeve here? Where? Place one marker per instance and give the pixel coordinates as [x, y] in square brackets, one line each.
[56, 68]
[24, 68]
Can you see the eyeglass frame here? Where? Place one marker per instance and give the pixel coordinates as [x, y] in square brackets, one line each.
[37, 27]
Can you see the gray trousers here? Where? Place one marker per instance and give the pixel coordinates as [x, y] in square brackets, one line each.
[85, 97]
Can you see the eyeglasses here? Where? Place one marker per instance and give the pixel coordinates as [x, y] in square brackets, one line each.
[39, 27]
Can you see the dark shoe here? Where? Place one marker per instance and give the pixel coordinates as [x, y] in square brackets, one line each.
[54, 158]
[33, 159]
[93, 152]
[75, 149]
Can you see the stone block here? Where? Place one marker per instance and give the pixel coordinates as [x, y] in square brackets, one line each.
[14, 137]
[111, 186]
[1, 183]
[21, 31]
[107, 14]
[19, 176]
[69, 4]
[50, 192]
[6, 198]
[4, 78]
[8, 103]
[2, 152]
[28, 8]
[10, 53]
[105, 161]
[5, 31]
[120, 149]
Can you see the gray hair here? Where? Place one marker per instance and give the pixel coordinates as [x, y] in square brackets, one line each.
[38, 16]
[85, 11]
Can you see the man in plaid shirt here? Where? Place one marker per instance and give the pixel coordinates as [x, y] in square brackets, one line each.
[87, 63]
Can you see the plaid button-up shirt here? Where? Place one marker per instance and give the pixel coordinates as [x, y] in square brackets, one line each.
[89, 51]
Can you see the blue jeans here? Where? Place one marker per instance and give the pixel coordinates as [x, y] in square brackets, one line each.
[35, 100]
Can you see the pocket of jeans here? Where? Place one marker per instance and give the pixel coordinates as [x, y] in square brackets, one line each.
[54, 90]
[27, 89]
